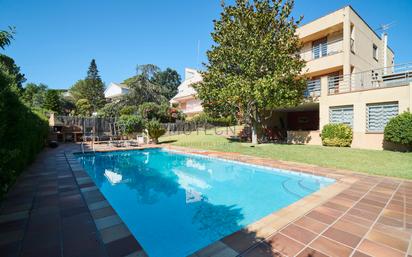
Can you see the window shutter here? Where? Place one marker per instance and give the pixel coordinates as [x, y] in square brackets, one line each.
[341, 114]
[378, 115]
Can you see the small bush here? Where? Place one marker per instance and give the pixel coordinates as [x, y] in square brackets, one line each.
[204, 118]
[337, 135]
[128, 110]
[399, 129]
[155, 130]
[161, 112]
[131, 124]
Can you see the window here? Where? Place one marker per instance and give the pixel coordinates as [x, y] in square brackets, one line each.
[320, 48]
[341, 114]
[375, 52]
[378, 115]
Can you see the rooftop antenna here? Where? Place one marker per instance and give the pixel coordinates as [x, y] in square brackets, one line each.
[384, 28]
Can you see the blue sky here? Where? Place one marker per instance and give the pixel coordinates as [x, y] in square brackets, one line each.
[56, 39]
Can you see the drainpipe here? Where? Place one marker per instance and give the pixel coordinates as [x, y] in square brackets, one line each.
[346, 41]
[385, 52]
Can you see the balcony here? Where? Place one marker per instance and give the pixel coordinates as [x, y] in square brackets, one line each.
[322, 57]
[322, 50]
[399, 75]
[312, 89]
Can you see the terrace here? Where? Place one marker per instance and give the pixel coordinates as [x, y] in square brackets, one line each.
[393, 76]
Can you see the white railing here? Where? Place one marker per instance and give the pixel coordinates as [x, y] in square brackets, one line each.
[313, 88]
[393, 76]
[332, 47]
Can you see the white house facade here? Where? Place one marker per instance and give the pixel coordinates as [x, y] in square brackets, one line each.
[115, 90]
[186, 98]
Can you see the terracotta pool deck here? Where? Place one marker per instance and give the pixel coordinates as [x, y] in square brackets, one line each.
[55, 209]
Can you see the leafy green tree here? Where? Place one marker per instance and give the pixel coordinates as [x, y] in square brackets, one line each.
[52, 101]
[168, 78]
[128, 110]
[143, 90]
[67, 105]
[254, 65]
[93, 72]
[34, 95]
[110, 110]
[151, 84]
[149, 110]
[83, 107]
[8, 65]
[147, 70]
[6, 36]
[91, 88]
[131, 124]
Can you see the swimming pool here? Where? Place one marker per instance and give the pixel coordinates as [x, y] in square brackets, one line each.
[175, 204]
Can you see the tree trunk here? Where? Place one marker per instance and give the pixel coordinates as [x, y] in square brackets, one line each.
[254, 123]
[254, 133]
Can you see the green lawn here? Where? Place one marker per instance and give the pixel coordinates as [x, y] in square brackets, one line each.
[394, 164]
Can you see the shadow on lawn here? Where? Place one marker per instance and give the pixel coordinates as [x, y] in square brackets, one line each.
[167, 142]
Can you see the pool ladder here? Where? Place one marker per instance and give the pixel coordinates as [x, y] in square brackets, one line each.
[93, 148]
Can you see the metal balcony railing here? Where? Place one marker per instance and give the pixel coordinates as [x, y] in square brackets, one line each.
[330, 48]
[313, 88]
[393, 76]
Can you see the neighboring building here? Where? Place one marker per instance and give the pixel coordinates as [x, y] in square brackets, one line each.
[350, 82]
[186, 95]
[115, 90]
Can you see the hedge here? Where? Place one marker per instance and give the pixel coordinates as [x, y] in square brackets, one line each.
[203, 118]
[23, 133]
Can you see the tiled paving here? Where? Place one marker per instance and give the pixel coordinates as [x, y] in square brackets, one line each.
[56, 210]
[370, 216]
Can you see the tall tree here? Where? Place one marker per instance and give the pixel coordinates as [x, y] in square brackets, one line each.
[52, 101]
[91, 88]
[143, 90]
[168, 78]
[254, 65]
[83, 107]
[93, 72]
[147, 70]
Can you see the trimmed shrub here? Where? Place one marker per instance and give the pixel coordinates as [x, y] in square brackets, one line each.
[155, 130]
[161, 112]
[399, 129]
[131, 124]
[23, 133]
[203, 118]
[128, 110]
[337, 135]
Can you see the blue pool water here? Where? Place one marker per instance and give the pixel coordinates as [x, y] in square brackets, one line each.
[175, 204]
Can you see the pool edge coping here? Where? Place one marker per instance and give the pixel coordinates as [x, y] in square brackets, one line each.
[264, 227]
[109, 231]
[267, 226]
